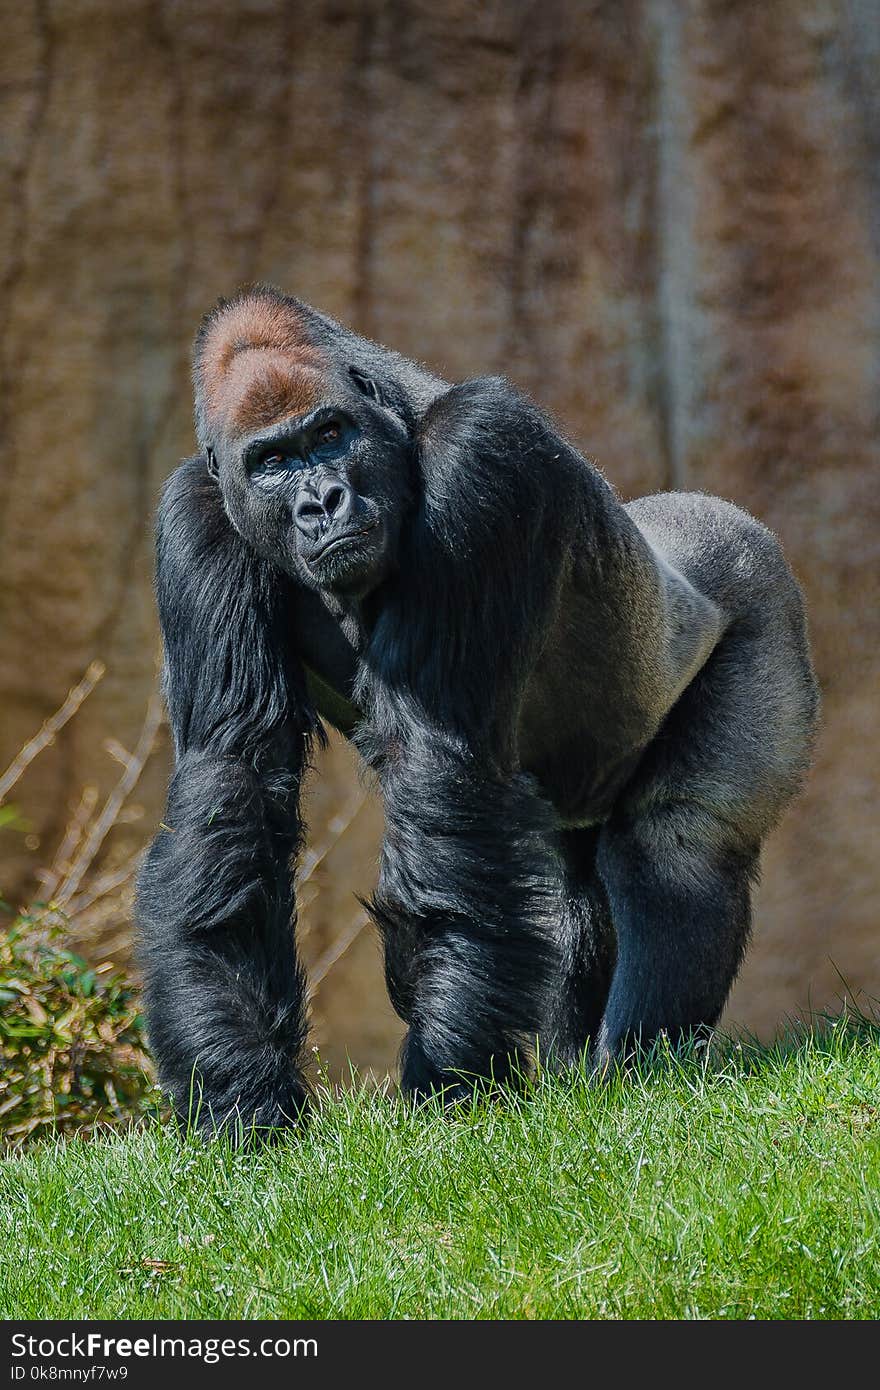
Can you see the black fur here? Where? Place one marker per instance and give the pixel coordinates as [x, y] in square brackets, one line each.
[583, 718]
[225, 994]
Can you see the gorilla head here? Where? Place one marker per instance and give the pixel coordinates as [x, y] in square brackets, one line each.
[313, 462]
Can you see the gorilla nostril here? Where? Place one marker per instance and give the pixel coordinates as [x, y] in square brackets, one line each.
[333, 499]
[325, 504]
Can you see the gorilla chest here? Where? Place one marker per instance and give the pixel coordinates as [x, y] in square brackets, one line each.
[330, 661]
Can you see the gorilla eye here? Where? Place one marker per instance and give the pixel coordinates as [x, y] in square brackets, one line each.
[273, 461]
[329, 433]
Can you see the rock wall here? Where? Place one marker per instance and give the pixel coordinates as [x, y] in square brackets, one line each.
[662, 217]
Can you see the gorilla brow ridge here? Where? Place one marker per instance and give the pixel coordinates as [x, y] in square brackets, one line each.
[253, 363]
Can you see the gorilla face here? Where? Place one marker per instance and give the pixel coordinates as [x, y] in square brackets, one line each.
[314, 459]
[322, 492]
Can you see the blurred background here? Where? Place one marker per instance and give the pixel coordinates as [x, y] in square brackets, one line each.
[661, 217]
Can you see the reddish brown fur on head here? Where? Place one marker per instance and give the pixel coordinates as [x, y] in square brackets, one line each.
[254, 365]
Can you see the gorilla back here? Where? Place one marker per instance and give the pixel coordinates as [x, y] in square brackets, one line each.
[583, 718]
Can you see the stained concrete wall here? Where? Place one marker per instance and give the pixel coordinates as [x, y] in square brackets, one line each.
[662, 217]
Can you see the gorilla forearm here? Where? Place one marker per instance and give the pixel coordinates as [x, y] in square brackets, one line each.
[224, 991]
[467, 903]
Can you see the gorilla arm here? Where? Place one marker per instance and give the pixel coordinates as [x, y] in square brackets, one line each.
[225, 993]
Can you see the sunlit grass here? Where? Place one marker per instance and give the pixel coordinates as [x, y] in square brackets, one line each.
[691, 1189]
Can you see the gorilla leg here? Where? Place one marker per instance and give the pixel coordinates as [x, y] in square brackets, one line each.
[680, 851]
[679, 890]
[468, 903]
[587, 950]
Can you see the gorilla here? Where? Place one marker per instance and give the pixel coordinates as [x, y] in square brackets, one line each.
[583, 718]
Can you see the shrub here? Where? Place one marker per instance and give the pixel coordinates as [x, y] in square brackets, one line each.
[71, 1037]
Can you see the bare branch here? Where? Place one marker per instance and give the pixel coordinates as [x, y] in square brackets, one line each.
[104, 884]
[46, 736]
[50, 878]
[337, 828]
[113, 805]
[325, 962]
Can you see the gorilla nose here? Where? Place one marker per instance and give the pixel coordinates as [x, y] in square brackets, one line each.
[330, 502]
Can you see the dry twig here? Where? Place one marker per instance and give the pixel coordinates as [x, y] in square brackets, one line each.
[104, 822]
[326, 961]
[46, 736]
[50, 878]
[337, 828]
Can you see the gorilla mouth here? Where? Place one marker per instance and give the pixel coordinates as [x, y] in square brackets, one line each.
[336, 543]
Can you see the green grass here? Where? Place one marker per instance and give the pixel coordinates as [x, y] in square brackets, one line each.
[748, 1187]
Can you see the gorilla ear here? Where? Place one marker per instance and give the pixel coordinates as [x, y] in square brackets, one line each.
[366, 385]
[211, 459]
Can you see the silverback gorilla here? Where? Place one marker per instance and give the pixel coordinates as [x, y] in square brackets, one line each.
[583, 718]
